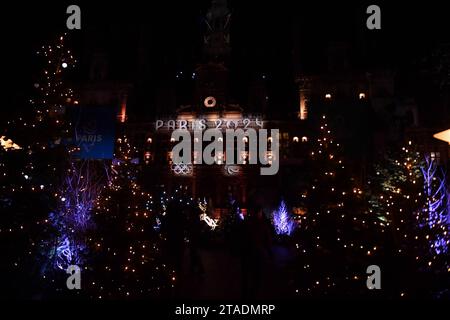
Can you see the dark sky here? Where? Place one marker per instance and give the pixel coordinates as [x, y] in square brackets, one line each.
[263, 34]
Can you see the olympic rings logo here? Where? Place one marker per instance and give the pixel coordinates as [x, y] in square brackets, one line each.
[181, 169]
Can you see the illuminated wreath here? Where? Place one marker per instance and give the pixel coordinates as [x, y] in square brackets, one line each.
[210, 102]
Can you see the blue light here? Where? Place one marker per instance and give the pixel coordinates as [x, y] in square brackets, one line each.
[436, 212]
[283, 223]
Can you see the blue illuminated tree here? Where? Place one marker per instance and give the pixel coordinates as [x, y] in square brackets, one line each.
[72, 219]
[434, 218]
[283, 222]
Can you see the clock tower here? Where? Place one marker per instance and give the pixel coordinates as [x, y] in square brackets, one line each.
[211, 85]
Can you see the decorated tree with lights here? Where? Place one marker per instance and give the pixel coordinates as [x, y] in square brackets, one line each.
[395, 197]
[70, 185]
[333, 201]
[336, 233]
[434, 219]
[398, 193]
[408, 196]
[282, 220]
[324, 198]
[35, 170]
[38, 134]
[397, 185]
[127, 247]
[64, 241]
[43, 130]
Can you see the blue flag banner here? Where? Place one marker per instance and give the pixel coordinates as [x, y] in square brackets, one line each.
[94, 132]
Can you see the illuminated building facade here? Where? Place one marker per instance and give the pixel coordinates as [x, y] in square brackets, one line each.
[361, 103]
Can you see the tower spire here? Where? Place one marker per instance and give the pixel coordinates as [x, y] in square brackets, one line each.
[217, 36]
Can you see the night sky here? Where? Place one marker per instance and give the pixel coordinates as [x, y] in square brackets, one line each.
[262, 34]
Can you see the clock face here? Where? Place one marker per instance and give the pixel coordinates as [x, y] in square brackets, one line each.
[210, 102]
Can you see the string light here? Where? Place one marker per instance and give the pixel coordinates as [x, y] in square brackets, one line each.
[125, 207]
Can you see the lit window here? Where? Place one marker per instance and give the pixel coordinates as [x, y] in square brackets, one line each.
[304, 139]
[269, 157]
[295, 139]
[149, 140]
[435, 156]
[269, 139]
[244, 157]
[148, 157]
[362, 96]
[245, 139]
[219, 158]
[195, 157]
[303, 114]
[172, 140]
[328, 96]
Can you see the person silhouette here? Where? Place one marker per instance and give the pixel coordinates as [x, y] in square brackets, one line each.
[255, 249]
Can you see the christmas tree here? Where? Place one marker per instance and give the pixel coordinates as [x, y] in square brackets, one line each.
[34, 172]
[282, 221]
[408, 195]
[336, 233]
[333, 200]
[434, 218]
[72, 217]
[128, 260]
